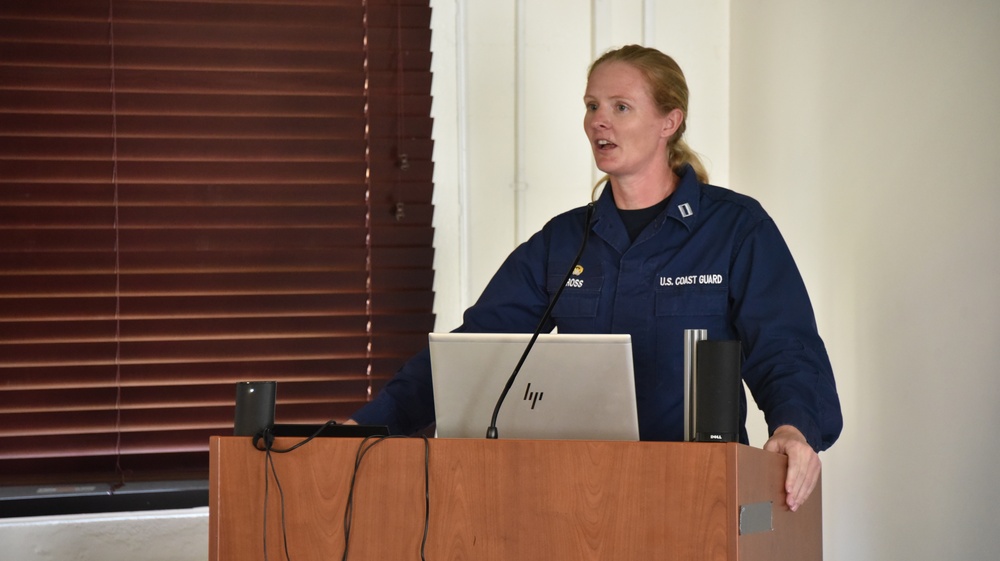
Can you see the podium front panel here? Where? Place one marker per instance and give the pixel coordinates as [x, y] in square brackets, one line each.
[489, 500]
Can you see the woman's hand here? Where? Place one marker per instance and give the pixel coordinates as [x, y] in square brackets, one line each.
[804, 465]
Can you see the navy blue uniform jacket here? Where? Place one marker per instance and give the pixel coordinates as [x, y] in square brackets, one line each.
[712, 260]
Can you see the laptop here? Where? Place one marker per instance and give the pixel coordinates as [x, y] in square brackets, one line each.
[569, 387]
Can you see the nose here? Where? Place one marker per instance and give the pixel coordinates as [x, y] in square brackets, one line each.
[599, 118]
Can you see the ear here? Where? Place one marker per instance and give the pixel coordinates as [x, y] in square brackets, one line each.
[671, 122]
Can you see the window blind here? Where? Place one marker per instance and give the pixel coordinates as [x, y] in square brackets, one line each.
[198, 193]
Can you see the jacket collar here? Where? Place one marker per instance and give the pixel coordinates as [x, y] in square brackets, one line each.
[684, 207]
[686, 201]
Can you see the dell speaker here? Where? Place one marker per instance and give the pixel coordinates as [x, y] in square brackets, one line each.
[717, 386]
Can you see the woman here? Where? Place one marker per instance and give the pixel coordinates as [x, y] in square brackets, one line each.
[667, 252]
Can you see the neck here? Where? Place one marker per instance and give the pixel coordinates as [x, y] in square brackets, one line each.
[644, 191]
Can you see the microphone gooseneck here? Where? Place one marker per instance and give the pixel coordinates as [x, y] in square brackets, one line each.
[491, 432]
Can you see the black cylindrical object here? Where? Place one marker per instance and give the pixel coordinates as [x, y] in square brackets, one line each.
[717, 391]
[254, 407]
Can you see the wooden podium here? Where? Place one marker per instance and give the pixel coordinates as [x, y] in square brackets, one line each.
[521, 500]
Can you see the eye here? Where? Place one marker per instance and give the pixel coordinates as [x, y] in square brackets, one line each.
[591, 106]
[621, 107]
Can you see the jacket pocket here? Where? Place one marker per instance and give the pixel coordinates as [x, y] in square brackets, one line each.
[577, 301]
[576, 304]
[691, 302]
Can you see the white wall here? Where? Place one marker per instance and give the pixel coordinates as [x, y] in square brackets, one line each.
[870, 130]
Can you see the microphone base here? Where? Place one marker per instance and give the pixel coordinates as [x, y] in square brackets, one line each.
[492, 434]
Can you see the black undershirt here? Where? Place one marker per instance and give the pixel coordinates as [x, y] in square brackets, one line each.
[637, 220]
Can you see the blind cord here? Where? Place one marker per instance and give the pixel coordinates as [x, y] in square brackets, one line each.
[119, 471]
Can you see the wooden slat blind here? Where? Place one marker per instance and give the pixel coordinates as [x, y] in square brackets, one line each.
[195, 193]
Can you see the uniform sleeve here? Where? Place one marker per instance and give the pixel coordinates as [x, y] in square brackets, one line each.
[513, 302]
[406, 403]
[786, 364]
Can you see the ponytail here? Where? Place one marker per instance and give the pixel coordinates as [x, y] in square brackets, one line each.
[681, 154]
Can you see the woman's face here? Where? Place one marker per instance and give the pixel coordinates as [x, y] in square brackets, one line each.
[627, 132]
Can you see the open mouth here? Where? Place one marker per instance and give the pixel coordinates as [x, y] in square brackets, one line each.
[605, 144]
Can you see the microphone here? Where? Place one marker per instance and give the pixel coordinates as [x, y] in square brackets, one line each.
[491, 432]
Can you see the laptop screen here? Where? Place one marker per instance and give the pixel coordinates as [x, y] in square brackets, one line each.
[569, 387]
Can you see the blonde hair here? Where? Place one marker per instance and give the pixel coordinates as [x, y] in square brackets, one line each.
[669, 90]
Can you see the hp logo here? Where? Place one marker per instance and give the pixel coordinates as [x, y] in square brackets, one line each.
[533, 397]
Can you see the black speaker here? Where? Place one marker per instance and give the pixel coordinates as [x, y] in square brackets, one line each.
[717, 391]
[254, 407]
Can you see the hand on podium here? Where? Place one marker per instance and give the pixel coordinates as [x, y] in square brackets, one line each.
[803, 464]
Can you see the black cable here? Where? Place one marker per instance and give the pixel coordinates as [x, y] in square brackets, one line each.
[427, 497]
[267, 480]
[264, 441]
[268, 439]
[269, 460]
[363, 449]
